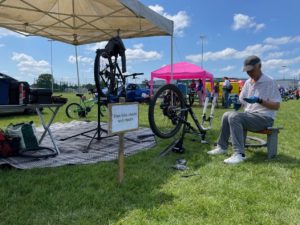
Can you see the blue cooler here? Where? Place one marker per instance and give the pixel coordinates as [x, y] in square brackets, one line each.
[4, 91]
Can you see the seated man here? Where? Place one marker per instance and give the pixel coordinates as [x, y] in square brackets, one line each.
[261, 98]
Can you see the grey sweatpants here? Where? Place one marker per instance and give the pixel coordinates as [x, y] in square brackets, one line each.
[236, 124]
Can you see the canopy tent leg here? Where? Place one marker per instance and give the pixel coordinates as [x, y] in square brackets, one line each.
[78, 81]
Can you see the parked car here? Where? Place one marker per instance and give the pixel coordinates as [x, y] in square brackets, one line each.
[9, 89]
[16, 110]
[134, 93]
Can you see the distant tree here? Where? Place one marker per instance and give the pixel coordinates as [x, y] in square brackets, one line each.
[44, 81]
[89, 86]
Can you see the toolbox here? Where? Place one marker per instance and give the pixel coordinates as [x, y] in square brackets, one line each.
[40, 96]
[18, 92]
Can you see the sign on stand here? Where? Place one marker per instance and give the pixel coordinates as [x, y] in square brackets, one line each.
[122, 117]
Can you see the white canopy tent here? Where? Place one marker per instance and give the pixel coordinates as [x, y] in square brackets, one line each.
[80, 22]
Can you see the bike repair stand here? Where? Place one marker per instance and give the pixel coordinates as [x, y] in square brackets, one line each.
[99, 129]
[212, 110]
[177, 145]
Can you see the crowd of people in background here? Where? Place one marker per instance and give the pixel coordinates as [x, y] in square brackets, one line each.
[227, 97]
[203, 92]
[289, 93]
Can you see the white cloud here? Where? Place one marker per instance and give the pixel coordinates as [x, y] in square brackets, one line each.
[157, 8]
[242, 21]
[289, 73]
[81, 59]
[279, 63]
[181, 19]
[230, 53]
[140, 45]
[282, 40]
[228, 68]
[29, 66]
[5, 32]
[135, 53]
[138, 53]
[273, 55]
[94, 47]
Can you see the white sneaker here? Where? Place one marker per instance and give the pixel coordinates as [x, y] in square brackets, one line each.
[217, 151]
[235, 158]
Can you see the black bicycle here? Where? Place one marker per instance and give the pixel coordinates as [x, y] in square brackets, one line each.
[110, 79]
[168, 112]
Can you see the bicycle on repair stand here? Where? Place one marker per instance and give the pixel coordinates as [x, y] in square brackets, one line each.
[168, 112]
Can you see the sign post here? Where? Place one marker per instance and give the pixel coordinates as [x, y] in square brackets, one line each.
[121, 158]
[122, 117]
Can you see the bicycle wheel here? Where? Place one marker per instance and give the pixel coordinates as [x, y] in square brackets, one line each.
[104, 76]
[167, 111]
[75, 111]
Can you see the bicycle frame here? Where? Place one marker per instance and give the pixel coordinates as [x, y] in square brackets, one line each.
[201, 130]
[87, 103]
[111, 75]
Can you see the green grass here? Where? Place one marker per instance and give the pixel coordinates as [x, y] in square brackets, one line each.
[258, 191]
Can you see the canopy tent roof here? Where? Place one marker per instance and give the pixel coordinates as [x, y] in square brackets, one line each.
[82, 21]
[182, 71]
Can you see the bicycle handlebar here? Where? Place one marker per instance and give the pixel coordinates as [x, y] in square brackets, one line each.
[134, 74]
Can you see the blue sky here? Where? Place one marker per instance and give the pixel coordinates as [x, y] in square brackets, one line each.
[231, 30]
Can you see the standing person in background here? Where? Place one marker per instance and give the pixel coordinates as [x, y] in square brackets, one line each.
[192, 91]
[216, 93]
[193, 85]
[226, 91]
[200, 92]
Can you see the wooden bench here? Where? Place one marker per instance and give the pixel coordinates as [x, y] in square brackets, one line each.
[271, 143]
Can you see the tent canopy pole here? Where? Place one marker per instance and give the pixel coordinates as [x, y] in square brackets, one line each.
[171, 58]
[76, 57]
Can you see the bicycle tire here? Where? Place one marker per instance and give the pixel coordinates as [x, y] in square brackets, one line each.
[103, 76]
[75, 111]
[166, 119]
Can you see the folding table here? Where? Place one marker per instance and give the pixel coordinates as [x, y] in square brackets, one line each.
[37, 107]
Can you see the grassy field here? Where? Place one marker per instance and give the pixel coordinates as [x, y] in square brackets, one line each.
[258, 191]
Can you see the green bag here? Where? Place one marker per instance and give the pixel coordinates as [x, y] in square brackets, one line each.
[26, 132]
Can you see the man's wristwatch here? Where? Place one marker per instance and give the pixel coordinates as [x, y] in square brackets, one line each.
[260, 101]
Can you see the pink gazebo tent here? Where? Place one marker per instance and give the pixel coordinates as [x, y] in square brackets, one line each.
[181, 71]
